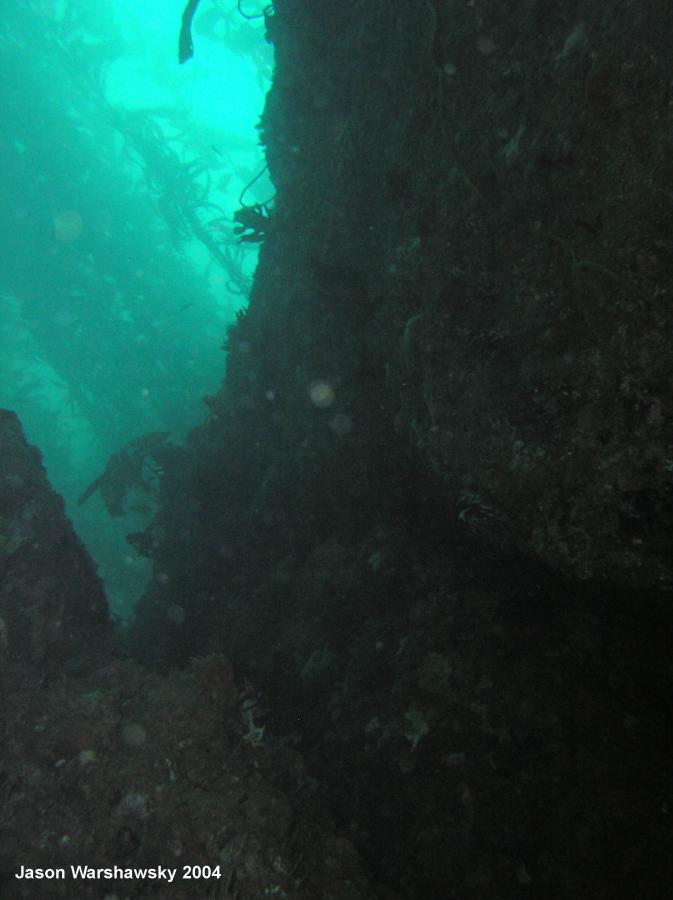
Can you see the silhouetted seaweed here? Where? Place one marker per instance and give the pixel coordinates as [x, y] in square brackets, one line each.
[185, 44]
[135, 466]
[252, 223]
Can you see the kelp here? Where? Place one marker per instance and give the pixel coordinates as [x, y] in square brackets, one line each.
[185, 44]
[135, 467]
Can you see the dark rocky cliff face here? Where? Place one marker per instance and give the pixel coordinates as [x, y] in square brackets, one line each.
[148, 780]
[430, 513]
[53, 612]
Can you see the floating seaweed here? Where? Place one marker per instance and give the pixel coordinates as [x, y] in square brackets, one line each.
[185, 45]
[135, 466]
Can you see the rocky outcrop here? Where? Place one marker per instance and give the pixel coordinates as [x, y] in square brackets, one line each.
[116, 779]
[473, 215]
[430, 510]
[53, 611]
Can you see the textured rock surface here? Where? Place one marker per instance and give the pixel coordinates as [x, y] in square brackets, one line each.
[103, 764]
[52, 606]
[473, 215]
[431, 509]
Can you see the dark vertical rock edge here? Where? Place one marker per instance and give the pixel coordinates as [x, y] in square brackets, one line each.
[53, 612]
[453, 583]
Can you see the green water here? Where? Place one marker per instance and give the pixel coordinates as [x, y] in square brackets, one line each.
[115, 162]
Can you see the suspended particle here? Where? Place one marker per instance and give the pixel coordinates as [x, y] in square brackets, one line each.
[68, 225]
[321, 393]
[176, 614]
[341, 424]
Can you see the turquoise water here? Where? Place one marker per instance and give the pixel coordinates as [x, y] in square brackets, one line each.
[121, 172]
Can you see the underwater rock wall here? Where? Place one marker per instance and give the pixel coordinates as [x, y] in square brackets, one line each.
[429, 512]
[474, 205]
[53, 611]
[139, 779]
